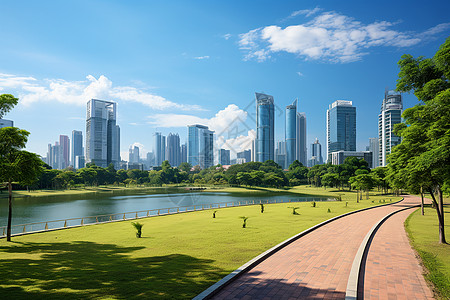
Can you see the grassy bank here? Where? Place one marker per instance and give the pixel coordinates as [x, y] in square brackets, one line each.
[178, 256]
[424, 235]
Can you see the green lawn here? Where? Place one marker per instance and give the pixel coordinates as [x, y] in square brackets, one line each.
[178, 257]
[424, 234]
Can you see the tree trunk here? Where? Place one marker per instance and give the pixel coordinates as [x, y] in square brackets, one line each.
[8, 229]
[421, 204]
[440, 213]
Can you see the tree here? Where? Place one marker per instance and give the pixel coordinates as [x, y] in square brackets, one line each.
[423, 157]
[16, 165]
[7, 102]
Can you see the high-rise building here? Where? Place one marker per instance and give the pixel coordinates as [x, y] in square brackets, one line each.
[79, 162]
[160, 148]
[265, 127]
[64, 143]
[150, 159]
[224, 157]
[173, 149]
[200, 146]
[338, 157]
[390, 114]
[54, 156]
[253, 150]
[183, 153]
[316, 154]
[291, 133]
[76, 146]
[133, 155]
[102, 134]
[341, 127]
[280, 154]
[301, 139]
[374, 147]
[245, 155]
[6, 123]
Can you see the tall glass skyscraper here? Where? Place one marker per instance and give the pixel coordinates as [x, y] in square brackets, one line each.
[291, 133]
[224, 157]
[76, 146]
[160, 148]
[301, 138]
[200, 146]
[173, 149]
[390, 114]
[64, 143]
[374, 147]
[102, 134]
[265, 127]
[341, 127]
[316, 154]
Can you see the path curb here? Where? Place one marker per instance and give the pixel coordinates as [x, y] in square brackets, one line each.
[218, 286]
[354, 277]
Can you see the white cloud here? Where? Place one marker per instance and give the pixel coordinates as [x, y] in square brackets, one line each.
[202, 57]
[306, 12]
[32, 90]
[237, 144]
[228, 124]
[330, 36]
[227, 36]
[300, 74]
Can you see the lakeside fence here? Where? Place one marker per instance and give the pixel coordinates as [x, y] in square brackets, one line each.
[99, 219]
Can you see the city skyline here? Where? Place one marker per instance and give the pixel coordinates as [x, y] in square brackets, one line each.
[165, 76]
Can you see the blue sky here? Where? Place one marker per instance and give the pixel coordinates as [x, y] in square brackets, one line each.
[172, 63]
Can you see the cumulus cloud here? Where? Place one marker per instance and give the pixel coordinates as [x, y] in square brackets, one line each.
[329, 36]
[31, 90]
[229, 125]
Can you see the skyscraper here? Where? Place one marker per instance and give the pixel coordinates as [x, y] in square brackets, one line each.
[265, 127]
[374, 147]
[301, 139]
[183, 153]
[160, 148]
[245, 155]
[390, 114]
[6, 123]
[133, 155]
[316, 154]
[280, 154]
[200, 146]
[76, 146]
[64, 143]
[291, 133]
[102, 134]
[341, 127]
[224, 157]
[173, 149]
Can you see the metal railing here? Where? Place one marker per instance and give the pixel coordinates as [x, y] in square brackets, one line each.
[99, 219]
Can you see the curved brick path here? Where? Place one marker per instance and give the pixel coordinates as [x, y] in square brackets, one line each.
[317, 265]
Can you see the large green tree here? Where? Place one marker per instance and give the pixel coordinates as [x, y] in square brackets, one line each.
[422, 160]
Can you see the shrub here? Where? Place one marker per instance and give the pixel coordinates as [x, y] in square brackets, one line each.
[214, 213]
[245, 221]
[294, 210]
[138, 227]
[262, 207]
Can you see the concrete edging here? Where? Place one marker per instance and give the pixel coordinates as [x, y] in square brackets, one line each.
[351, 292]
[215, 288]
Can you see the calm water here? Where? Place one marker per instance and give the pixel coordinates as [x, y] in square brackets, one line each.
[38, 209]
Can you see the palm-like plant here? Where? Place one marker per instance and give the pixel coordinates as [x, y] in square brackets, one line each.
[262, 207]
[294, 209]
[245, 221]
[138, 227]
[214, 213]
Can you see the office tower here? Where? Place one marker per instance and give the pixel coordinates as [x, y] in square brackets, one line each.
[338, 157]
[374, 147]
[246, 155]
[55, 157]
[280, 154]
[316, 154]
[150, 159]
[6, 123]
[76, 146]
[64, 142]
[390, 114]
[200, 146]
[183, 153]
[102, 134]
[265, 127]
[224, 157]
[133, 155]
[253, 150]
[173, 149]
[301, 138]
[341, 127]
[160, 148]
[79, 162]
[291, 133]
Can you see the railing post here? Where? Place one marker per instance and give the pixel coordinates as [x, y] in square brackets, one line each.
[210, 206]
[226, 204]
[24, 229]
[194, 207]
[3, 230]
[65, 223]
[158, 212]
[178, 209]
[82, 221]
[96, 219]
[124, 216]
[136, 215]
[46, 226]
[239, 203]
[148, 212]
[110, 217]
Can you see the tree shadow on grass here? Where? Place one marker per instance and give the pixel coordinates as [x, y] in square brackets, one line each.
[81, 270]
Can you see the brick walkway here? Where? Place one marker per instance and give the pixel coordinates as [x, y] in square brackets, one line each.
[392, 270]
[315, 266]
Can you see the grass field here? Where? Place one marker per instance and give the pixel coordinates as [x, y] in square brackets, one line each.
[178, 257]
[424, 234]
